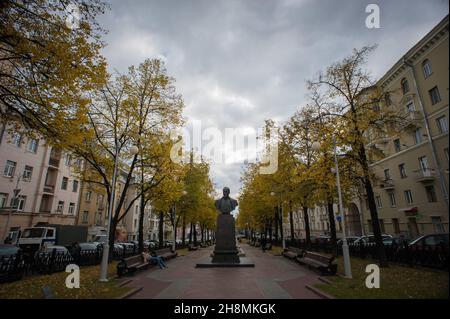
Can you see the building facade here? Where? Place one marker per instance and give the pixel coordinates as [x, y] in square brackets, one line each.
[412, 175]
[46, 184]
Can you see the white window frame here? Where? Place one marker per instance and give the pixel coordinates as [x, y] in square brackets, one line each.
[33, 145]
[3, 200]
[60, 207]
[379, 202]
[71, 210]
[16, 139]
[10, 168]
[427, 69]
[442, 124]
[392, 199]
[408, 197]
[27, 173]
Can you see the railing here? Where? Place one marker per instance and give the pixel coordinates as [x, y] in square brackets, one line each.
[388, 184]
[49, 189]
[425, 174]
[53, 162]
[432, 257]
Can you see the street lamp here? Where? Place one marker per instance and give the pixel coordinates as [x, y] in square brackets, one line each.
[104, 266]
[345, 252]
[283, 243]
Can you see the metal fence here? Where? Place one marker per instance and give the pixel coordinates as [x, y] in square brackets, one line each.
[403, 254]
[14, 267]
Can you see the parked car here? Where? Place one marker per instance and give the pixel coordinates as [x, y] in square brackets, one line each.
[350, 240]
[88, 246]
[8, 250]
[363, 240]
[52, 248]
[430, 241]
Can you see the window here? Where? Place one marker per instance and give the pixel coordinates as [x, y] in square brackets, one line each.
[426, 68]
[431, 194]
[408, 197]
[417, 136]
[387, 175]
[28, 171]
[49, 233]
[434, 95]
[10, 168]
[387, 98]
[410, 107]
[423, 163]
[68, 160]
[405, 86]
[16, 139]
[33, 145]
[396, 225]
[442, 124]
[402, 170]
[446, 153]
[18, 203]
[75, 186]
[3, 199]
[392, 199]
[88, 196]
[379, 203]
[85, 216]
[135, 223]
[64, 183]
[71, 208]
[397, 145]
[437, 223]
[60, 207]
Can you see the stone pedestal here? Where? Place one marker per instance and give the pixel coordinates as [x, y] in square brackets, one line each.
[225, 250]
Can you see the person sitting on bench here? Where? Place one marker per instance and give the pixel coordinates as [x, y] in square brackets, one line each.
[154, 259]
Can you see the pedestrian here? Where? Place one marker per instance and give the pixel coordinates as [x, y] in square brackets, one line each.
[263, 243]
[154, 259]
[75, 251]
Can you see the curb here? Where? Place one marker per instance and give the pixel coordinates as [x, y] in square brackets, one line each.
[130, 293]
[318, 292]
[325, 280]
[125, 282]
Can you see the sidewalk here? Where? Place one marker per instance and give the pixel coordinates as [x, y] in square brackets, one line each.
[272, 277]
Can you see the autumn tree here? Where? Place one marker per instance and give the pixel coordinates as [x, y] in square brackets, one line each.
[47, 68]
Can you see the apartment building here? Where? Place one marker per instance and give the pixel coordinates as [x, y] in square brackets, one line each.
[45, 182]
[412, 176]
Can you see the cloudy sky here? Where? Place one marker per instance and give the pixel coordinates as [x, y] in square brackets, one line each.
[238, 62]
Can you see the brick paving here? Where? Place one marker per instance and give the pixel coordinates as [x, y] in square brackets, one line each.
[272, 277]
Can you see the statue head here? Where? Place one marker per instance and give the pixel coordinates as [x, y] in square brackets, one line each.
[226, 192]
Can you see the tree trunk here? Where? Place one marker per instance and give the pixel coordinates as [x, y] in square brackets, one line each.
[332, 227]
[141, 225]
[161, 230]
[276, 223]
[195, 234]
[307, 230]
[190, 233]
[183, 231]
[291, 222]
[270, 230]
[280, 221]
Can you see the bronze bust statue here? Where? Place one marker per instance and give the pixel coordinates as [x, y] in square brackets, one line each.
[226, 204]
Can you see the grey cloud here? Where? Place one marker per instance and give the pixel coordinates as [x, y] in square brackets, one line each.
[258, 51]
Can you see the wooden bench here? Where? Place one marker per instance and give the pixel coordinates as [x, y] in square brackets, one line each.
[292, 252]
[131, 264]
[268, 246]
[317, 261]
[166, 253]
[192, 247]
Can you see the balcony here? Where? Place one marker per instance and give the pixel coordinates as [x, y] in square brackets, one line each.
[49, 189]
[387, 185]
[410, 119]
[425, 175]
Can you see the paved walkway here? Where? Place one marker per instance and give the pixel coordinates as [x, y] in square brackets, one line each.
[272, 277]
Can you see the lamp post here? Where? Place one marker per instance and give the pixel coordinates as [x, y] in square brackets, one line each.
[345, 252]
[283, 243]
[104, 266]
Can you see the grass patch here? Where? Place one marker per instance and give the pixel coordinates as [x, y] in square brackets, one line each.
[396, 282]
[183, 252]
[276, 250]
[90, 287]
